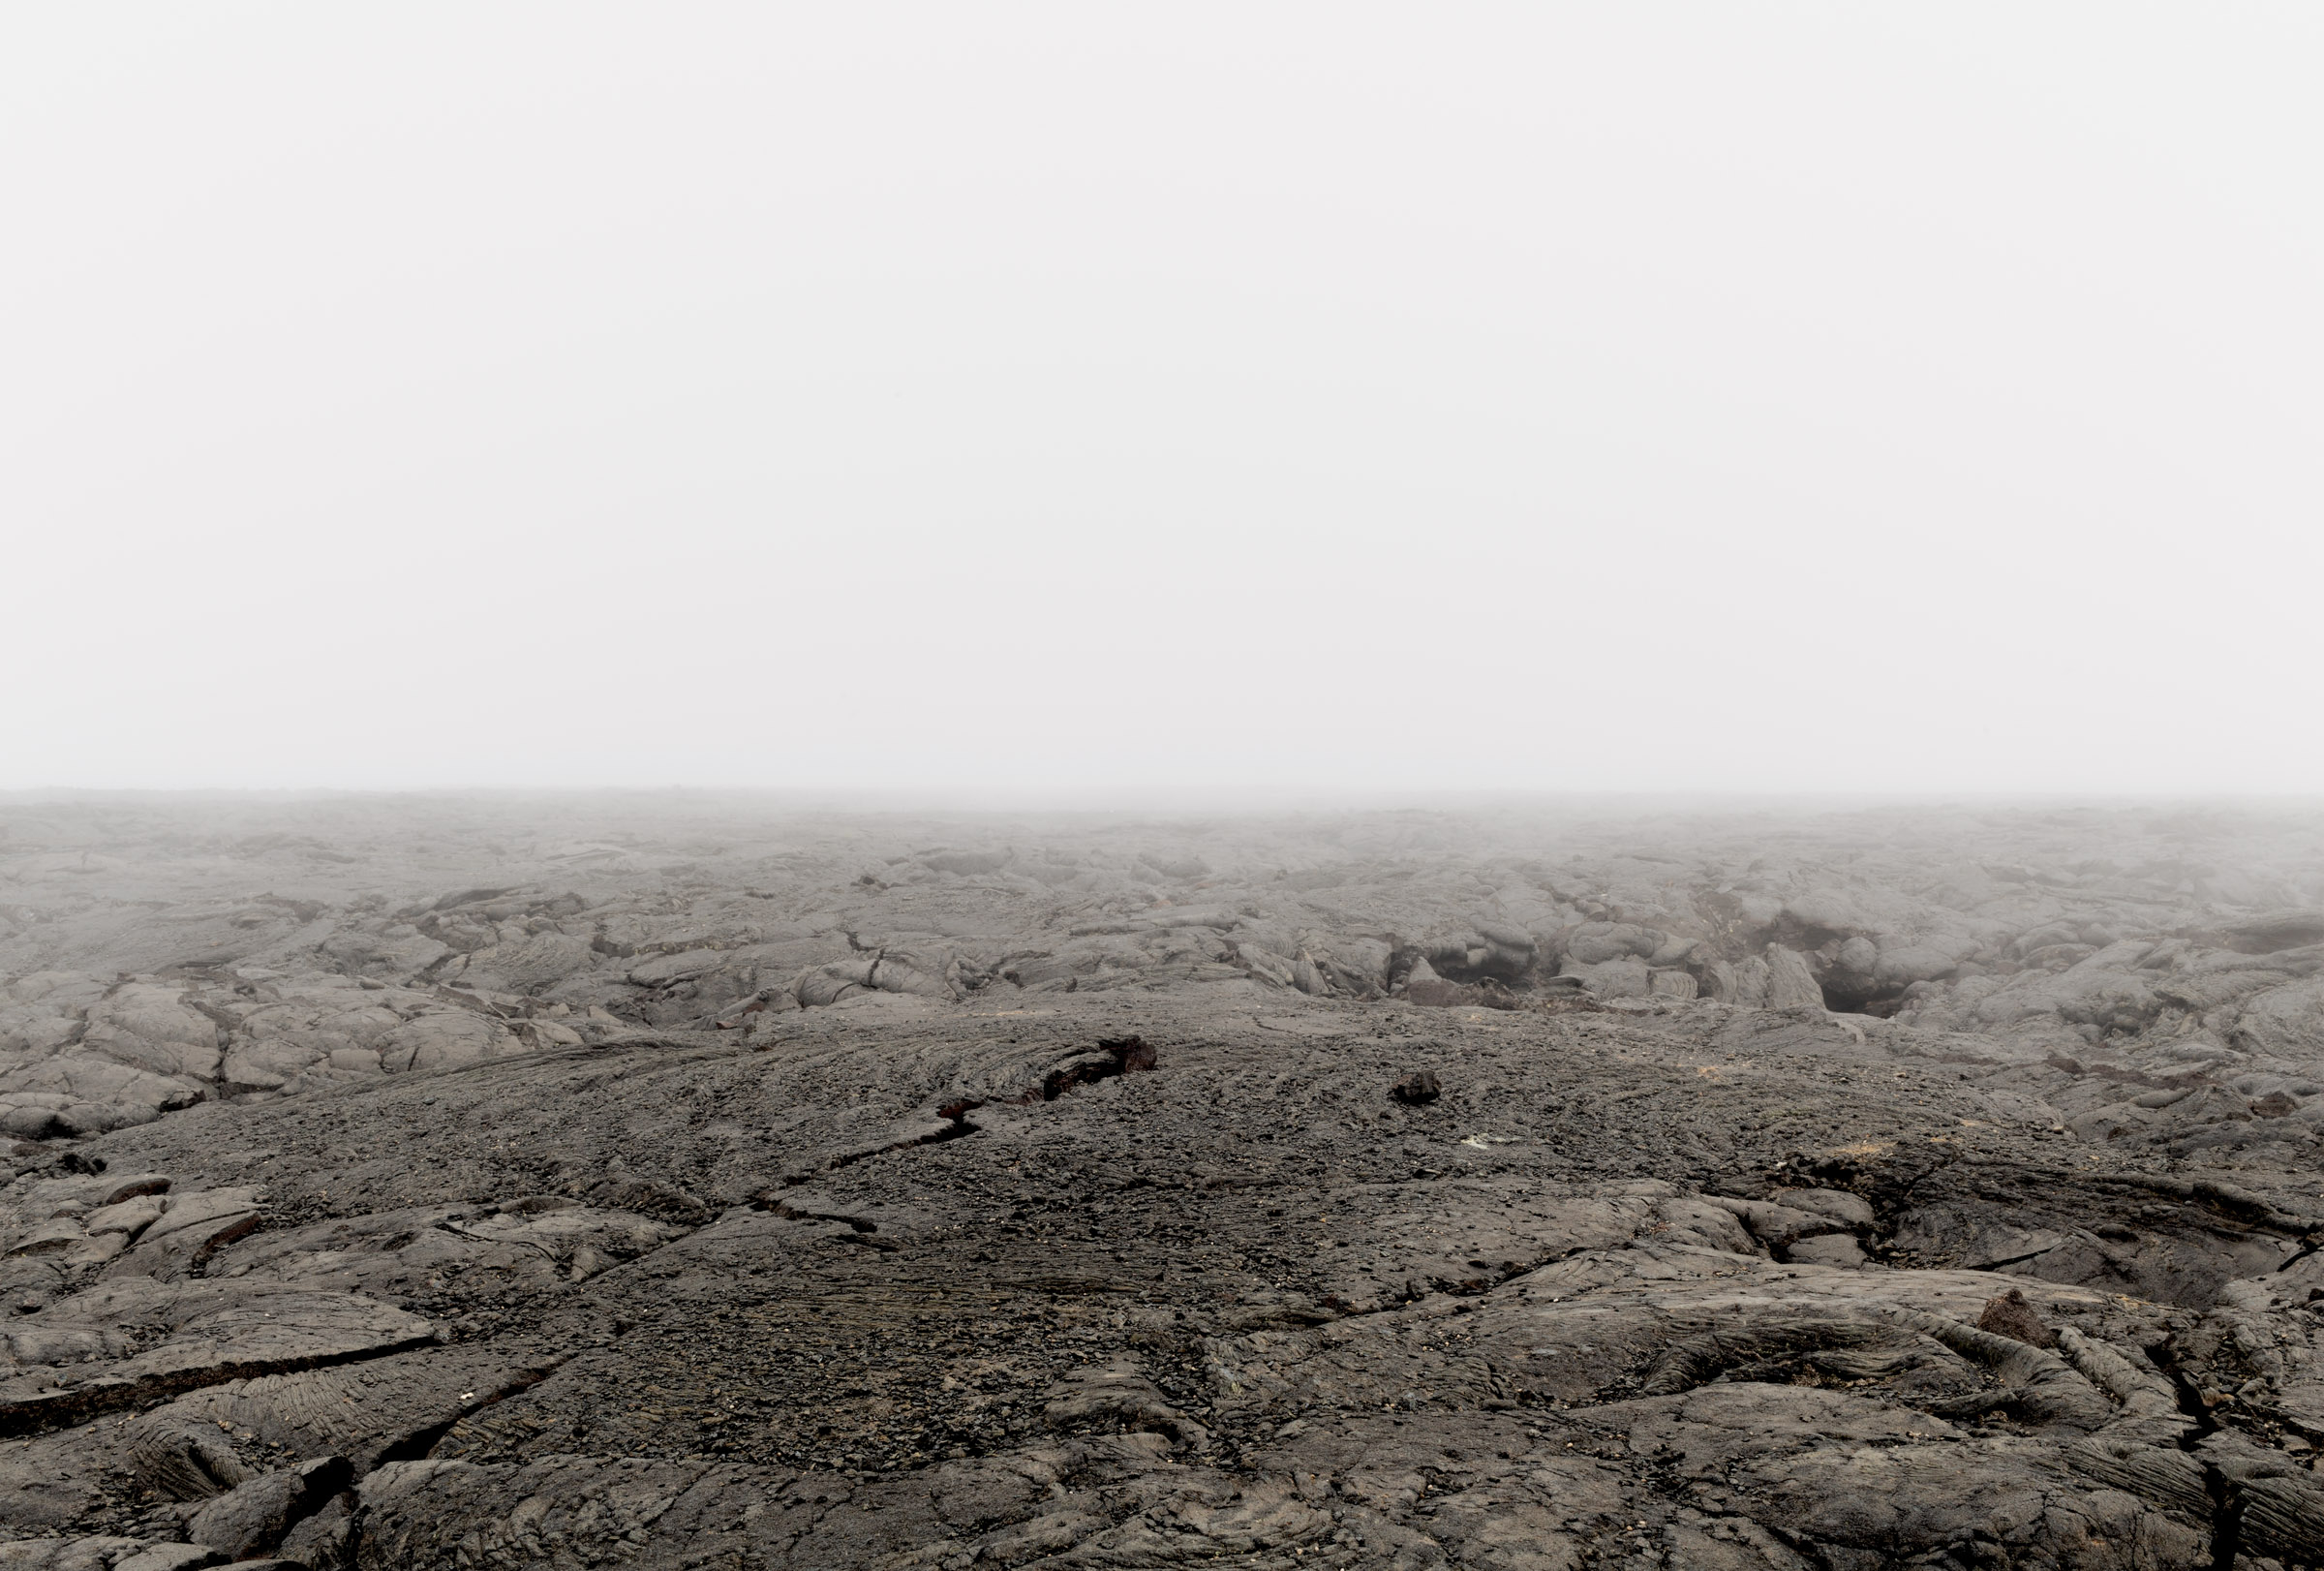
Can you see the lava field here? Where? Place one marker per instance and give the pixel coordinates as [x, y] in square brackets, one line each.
[687, 1180]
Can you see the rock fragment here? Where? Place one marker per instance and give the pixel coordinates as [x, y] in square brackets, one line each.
[1791, 983]
[2008, 1315]
[1418, 1088]
[1826, 1250]
[253, 1516]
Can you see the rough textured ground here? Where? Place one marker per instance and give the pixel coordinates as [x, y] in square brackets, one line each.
[673, 1181]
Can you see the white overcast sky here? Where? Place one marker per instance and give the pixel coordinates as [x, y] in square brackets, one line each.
[1106, 398]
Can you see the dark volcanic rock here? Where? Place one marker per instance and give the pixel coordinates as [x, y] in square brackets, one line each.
[255, 1516]
[1417, 1089]
[2008, 1315]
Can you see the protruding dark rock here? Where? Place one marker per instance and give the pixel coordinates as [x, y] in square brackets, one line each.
[2009, 1315]
[1417, 1089]
[1131, 1053]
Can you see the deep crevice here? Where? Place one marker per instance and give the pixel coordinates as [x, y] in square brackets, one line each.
[319, 1482]
[2226, 1506]
[2308, 1246]
[1121, 1055]
[2226, 1518]
[799, 1213]
[956, 1113]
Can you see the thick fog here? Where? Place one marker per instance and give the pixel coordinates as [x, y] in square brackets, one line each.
[1014, 399]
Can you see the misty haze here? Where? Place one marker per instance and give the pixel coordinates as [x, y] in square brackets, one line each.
[1050, 787]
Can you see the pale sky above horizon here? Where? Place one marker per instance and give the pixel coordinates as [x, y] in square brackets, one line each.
[1057, 398]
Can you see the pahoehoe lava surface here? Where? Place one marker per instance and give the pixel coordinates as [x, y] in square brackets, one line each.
[674, 1181]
